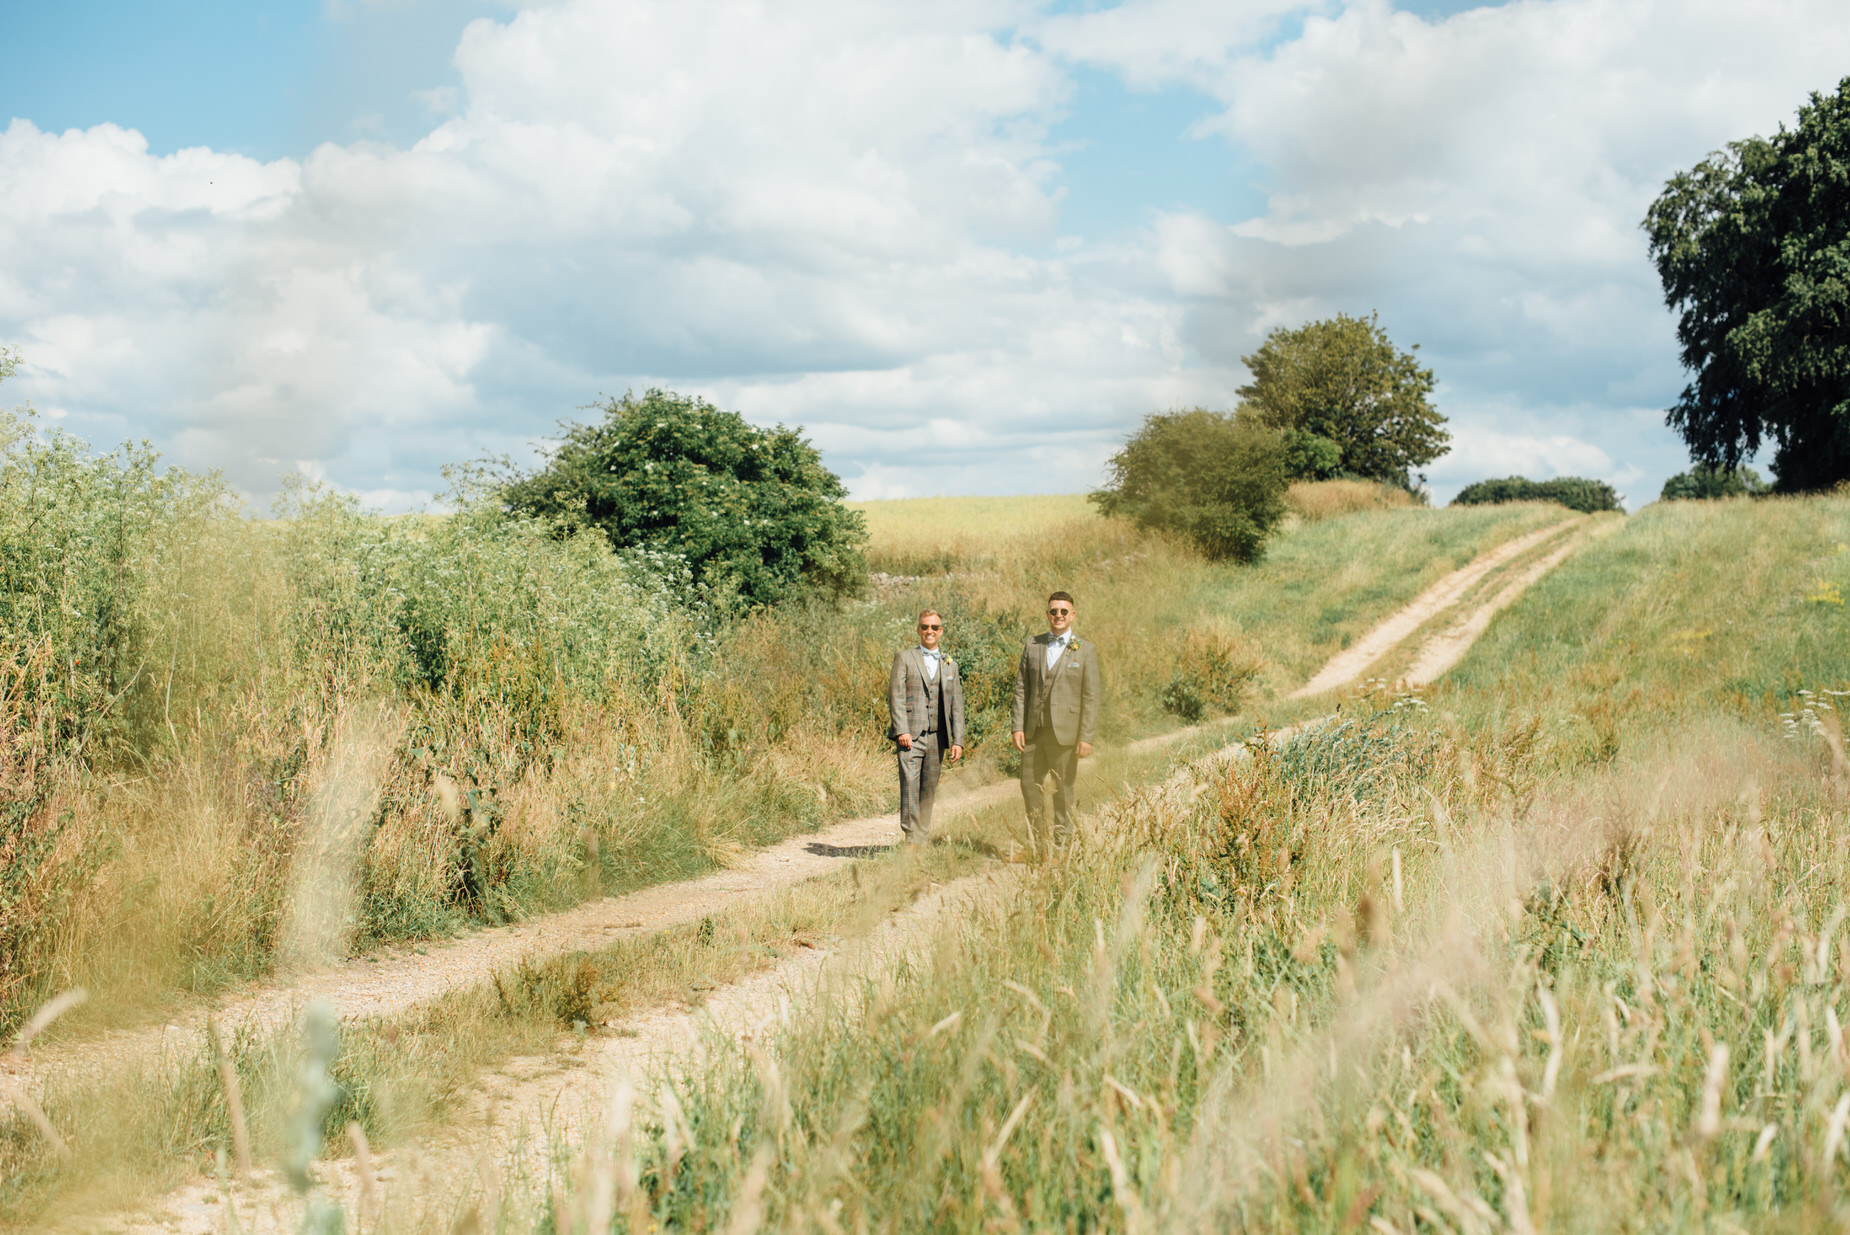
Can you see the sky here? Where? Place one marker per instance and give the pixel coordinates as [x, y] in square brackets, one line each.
[966, 244]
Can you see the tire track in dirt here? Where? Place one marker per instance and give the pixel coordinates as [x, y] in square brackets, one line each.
[1349, 664]
[1445, 649]
[524, 1108]
[393, 981]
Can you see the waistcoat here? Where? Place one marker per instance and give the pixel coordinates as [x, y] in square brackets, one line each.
[934, 701]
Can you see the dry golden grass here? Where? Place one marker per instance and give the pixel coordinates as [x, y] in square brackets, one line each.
[1555, 968]
[931, 518]
[930, 535]
[1320, 499]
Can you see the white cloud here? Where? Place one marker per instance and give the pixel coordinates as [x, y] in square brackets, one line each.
[847, 216]
[1480, 180]
[726, 196]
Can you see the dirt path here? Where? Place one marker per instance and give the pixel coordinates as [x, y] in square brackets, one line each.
[1445, 649]
[1349, 664]
[397, 979]
[526, 1107]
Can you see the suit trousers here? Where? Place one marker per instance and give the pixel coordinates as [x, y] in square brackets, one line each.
[1045, 757]
[919, 766]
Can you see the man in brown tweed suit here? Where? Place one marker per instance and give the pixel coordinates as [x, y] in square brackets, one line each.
[1058, 691]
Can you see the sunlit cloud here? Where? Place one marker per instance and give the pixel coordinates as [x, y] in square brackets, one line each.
[849, 217]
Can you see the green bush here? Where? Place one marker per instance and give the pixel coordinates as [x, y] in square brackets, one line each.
[1311, 456]
[1215, 478]
[1214, 667]
[1703, 482]
[1574, 492]
[753, 512]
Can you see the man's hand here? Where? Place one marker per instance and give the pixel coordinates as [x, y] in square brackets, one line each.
[957, 752]
[905, 741]
[1020, 739]
[1085, 750]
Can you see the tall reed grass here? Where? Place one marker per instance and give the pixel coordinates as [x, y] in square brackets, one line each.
[1359, 983]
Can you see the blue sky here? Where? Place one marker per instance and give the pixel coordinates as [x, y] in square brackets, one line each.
[967, 244]
[267, 78]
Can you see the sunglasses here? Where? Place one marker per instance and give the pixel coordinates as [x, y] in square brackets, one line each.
[1057, 612]
[930, 626]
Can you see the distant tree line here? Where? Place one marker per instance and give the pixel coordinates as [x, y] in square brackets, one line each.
[1573, 492]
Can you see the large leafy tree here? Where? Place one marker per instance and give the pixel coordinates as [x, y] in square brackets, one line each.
[1753, 247]
[1212, 477]
[753, 512]
[1347, 400]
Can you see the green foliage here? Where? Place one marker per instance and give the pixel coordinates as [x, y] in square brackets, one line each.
[1574, 492]
[1751, 246]
[1217, 479]
[1706, 481]
[753, 512]
[438, 604]
[91, 547]
[1311, 456]
[1343, 381]
[1214, 667]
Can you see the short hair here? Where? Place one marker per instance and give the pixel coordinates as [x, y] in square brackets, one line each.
[925, 613]
[1066, 596]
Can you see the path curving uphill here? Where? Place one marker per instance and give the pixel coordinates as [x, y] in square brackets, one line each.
[1513, 558]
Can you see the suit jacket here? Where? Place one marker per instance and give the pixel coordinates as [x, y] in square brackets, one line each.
[1067, 696]
[908, 696]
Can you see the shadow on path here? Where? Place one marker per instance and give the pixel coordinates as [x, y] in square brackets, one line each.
[822, 850]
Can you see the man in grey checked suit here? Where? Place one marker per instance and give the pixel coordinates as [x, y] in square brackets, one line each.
[1058, 690]
[925, 696]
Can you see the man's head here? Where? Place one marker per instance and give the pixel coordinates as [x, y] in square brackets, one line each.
[1060, 612]
[931, 629]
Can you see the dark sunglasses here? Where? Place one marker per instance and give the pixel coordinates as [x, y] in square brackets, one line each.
[930, 626]
[1057, 612]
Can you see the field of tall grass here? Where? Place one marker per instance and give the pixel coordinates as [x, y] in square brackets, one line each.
[544, 719]
[1560, 946]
